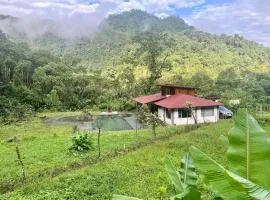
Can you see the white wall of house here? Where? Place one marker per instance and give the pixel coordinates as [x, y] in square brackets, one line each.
[188, 120]
[208, 119]
[162, 116]
[209, 116]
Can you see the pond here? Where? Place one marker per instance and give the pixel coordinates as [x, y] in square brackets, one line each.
[109, 122]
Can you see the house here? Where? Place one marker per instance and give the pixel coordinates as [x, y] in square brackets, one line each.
[180, 105]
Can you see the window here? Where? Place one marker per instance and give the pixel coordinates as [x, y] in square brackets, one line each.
[207, 112]
[168, 113]
[184, 113]
[168, 91]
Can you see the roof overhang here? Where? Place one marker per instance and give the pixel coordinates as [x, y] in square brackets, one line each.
[149, 98]
[181, 101]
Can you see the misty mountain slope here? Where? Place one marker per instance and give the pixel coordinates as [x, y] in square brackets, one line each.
[137, 21]
[194, 50]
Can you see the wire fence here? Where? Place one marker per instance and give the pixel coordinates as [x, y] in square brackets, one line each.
[262, 110]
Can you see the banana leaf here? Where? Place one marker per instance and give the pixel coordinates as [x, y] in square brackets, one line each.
[216, 177]
[184, 181]
[255, 191]
[174, 176]
[249, 150]
[190, 193]
[187, 171]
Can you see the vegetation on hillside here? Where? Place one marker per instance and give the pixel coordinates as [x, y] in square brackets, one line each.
[129, 54]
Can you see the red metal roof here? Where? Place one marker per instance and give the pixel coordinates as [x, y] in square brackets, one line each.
[150, 98]
[181, 100]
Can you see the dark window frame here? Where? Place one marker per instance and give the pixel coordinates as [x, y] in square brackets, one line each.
[168, 113]
[207, 108]
[184, 113]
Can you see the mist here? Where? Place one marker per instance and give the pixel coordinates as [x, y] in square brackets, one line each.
[65, 25]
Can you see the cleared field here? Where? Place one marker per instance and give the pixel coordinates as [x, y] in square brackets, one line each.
[139, 173]
[44, 149]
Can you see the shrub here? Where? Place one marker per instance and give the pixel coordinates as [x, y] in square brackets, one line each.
[81, 143]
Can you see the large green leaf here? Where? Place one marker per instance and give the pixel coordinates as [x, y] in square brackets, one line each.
[187, 171]
[254, 190]
[217, 178]
[184, 181]
[174, 176]
[249, 150]
[190, 193]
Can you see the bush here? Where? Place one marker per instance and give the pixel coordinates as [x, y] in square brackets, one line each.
[11, 110]
[81, 143]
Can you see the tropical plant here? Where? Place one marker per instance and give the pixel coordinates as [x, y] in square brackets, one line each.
[184, 180]
[249, 150]
[81, 143]
[248, 158]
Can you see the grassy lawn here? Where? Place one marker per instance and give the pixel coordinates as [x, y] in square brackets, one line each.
[139, 173]
[44, 149]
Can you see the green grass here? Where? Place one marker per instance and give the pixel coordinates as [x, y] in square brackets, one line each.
[139, 173]
[44, 149]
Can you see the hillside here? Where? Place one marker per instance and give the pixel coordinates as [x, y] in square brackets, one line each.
[127, 56]
[194, 49]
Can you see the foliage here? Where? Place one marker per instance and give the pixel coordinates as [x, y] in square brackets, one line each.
[147, 118]
[184, 181]
[153, 46]
[81, 143]
[249, 146]
[142, 114]
[248, 157]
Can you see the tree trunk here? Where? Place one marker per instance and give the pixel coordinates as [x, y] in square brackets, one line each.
[195, 120]
[154, 131]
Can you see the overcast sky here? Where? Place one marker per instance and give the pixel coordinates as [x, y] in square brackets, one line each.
[250, 18]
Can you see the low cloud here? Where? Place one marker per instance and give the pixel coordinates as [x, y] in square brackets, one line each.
[72, 18]
[248, 18]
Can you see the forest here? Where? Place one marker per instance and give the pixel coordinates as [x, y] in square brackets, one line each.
[127, 56]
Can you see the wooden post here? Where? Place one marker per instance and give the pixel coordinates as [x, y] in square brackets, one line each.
[136, 130]
[99, 143]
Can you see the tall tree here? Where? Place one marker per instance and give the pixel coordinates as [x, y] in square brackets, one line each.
[154, 49]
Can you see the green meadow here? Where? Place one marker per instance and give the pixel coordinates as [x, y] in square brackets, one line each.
[131, 162]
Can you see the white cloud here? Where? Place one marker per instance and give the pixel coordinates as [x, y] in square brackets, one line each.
[154, 6]
[50, 7]
[162, 15]
[248, 18]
